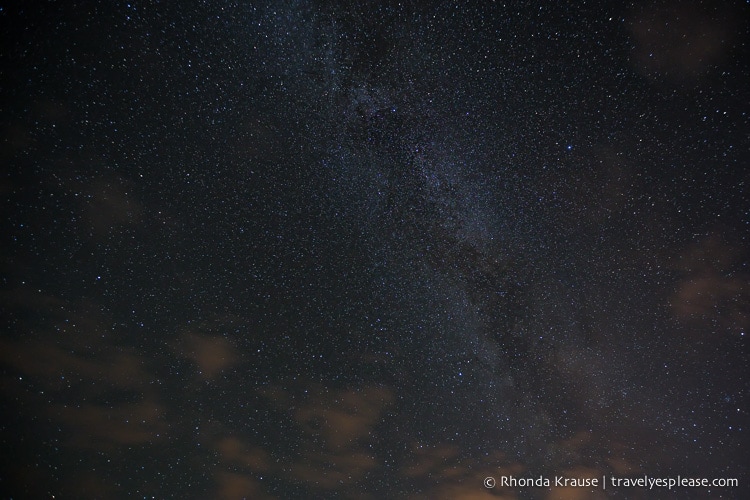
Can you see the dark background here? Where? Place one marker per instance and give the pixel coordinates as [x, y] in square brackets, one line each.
[371, 250]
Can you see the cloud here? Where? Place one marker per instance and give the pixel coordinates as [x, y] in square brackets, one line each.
[49, 362]
[233, 486]
[332, 470]
[713, 287]
[211, 354]
[443, 472]
[241, 467]
[680, 41]
[88, 382]
[430, 460]
[68, 343]
[233, 451]
[344, 417]
[337, 427]
[107, 426]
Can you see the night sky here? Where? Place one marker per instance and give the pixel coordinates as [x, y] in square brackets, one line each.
[373, 250]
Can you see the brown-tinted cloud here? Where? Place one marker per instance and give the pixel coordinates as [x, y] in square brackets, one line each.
[104, 427]
[234, 486]
[68, 342]
[337, 429]
[75, 358]
[444, 471]
[430, 460]
[712, 289]
[42, 359]
[211, 354]
[448, 471]
[233, 451]
[680, 40]
[338, 426]
[344, 417]
[240, 469]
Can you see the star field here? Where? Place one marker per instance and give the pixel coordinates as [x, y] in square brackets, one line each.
[383, 250]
